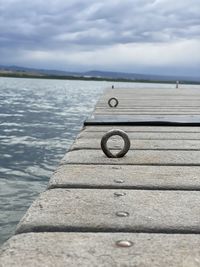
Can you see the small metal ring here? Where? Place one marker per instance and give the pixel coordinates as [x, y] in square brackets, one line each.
[124, 150]
[116, 102]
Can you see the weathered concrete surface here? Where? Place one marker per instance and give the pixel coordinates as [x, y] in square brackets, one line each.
[191, 120]
[94, 143]
[127, 195]
[155, 92]
[112, 176]
[97, 210]
[124, 103]
[141, 112]
[147, 135]
[100, 250]
[103, 129]
[146, 109]
[145, 112]
[149, 105]
[137, 157]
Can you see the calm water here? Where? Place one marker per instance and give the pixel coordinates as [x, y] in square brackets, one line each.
[39, 119]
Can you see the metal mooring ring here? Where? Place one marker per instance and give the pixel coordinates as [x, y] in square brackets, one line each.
[116, 102]
[124, 150]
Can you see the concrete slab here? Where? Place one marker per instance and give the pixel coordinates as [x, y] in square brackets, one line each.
[147, 135]
[100, 250]
[134, 157]
[151, 90]
[94, 143]
[143, 129]
[168, 119]
[141, 100]
[130, 177]
[154, 106]
[150, 102]
[170, 105]
[142, 112]
[144, 108]
[139, 104]
[95, 210]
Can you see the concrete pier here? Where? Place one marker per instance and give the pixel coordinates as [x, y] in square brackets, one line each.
[138, 210]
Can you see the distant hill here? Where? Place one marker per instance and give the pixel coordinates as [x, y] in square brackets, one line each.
[96, 74]
[136, 76]
[36, 71]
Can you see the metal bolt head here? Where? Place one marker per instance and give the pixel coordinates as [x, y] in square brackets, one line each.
[119, 194]
[122, 214]
[119, 181]
[124, 243]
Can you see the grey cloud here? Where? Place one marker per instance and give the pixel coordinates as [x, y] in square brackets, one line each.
[87, 25]
[37, 25]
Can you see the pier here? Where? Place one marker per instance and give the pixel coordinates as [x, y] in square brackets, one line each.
[141, 209]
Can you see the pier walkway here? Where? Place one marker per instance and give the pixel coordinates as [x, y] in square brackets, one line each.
[139, 210]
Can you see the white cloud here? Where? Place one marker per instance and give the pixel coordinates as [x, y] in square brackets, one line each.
[181, 53]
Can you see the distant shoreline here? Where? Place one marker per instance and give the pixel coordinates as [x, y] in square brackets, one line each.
[82, 78]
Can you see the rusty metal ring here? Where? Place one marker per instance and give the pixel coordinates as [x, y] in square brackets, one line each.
[116, 102]
[124, 150]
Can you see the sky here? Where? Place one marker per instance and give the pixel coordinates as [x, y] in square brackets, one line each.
[135, 36]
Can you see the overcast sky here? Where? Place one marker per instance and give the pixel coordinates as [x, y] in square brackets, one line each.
[142, 36]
